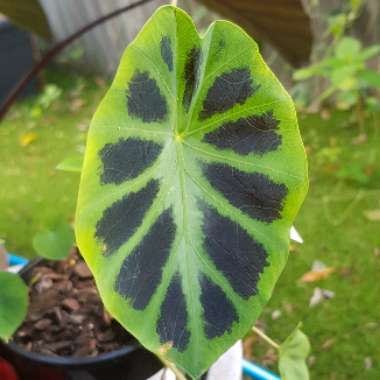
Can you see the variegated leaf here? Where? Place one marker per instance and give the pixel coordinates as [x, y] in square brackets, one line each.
[193, 174]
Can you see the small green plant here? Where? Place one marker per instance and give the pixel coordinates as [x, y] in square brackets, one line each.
[13, 303]
[52, 244]
[293, 353]
[350, 80]
[49, 95]
[341, 19]
[193, 174]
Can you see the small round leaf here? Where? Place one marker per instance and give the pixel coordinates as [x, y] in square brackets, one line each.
[54, 244]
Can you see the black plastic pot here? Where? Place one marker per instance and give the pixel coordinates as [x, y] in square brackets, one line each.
[132, 362]
[16, 59]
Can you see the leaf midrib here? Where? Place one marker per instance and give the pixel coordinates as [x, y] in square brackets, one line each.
[191, 302]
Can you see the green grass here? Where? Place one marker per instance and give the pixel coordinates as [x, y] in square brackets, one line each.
[33, 195]
[336, 232]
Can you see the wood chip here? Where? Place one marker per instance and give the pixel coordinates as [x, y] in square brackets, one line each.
[107, 317]
[77, 319]
[43, 284]
[82, 271]
[107, 336]
[66, 316]
[42, 324]
[59, 345]
[71, 304]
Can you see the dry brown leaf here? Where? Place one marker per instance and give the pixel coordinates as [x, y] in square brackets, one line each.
[100, 82]
[76, 104]
[82, 126]
[369, 170]
[325, 114]
[327, 344]
[270, 358]
[3, 258]
[27, 138]
[317, 275]
[288, 307]
[360, 139]
[311, 360]
[346, 271]
[248, 343]
[373, 215]
[368, 363]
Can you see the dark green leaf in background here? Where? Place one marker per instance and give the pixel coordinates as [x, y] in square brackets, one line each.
[28, 14]
[193, 174]
[285, 24]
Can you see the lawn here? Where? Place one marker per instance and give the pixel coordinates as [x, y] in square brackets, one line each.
[344, 331]
[33, 194]
[344, 184]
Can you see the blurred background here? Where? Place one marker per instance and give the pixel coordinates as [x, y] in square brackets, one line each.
[327, 54]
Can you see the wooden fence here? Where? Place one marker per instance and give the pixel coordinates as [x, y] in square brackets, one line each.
[103, 46]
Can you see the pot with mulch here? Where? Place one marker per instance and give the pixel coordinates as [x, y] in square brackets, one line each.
[68, 335]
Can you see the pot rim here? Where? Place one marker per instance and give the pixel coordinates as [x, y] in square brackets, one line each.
[67, 361]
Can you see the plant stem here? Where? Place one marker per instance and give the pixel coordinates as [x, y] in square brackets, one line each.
[13, 95]
[360, 113]
[175, 3]
[179, 375]
[265, 337]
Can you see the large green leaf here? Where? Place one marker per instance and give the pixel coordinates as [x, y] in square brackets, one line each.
[13, 303]
[193, 173]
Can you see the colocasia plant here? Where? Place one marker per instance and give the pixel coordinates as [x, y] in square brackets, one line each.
[193, 174]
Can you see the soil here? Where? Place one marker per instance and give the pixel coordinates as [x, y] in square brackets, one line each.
[66, 316]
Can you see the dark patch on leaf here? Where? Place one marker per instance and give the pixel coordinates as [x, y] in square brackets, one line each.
[141, 271]
[122, 218]
[247, 135]
[229, 89]
[218, 311]
[144, 98]
[221, 47]
[191, 75]
[234, 252]
[172, 323]
[253, 193]
[166, 52]
[126, 159]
